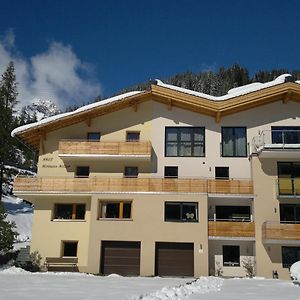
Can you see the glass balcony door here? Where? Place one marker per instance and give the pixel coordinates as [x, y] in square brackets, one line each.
[285, 135]
[290, 213]
[289, 178]
[233, 213]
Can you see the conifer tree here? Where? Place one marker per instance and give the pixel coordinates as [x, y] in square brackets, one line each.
[8, 101]
[7, 233]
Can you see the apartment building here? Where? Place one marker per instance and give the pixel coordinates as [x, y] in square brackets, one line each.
[171, 182]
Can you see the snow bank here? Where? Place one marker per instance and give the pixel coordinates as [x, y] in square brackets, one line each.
[202, 285]
[295, 271]
[235, 92]
[14, 270]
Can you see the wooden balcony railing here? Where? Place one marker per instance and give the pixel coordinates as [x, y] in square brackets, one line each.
[83, 147]
[103, 184]
[272, 230]
[230, 186]
[231, 229]
[115, 184]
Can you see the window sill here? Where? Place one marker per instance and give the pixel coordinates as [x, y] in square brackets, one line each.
[181, 221]
[67, 220]
[231, 265]
[115, 219]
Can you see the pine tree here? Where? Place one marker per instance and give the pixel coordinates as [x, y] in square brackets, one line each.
[8, 101]
[7, 233]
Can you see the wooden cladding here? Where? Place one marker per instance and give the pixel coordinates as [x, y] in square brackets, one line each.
[221, 186]
[114, 184]
[280, 231]
[73, 148]
[231, 229]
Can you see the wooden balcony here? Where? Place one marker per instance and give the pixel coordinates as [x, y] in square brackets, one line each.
[278, 232]
[115, 184]
[104, 184]
[230, 186]
[105, 149]
[231, 229]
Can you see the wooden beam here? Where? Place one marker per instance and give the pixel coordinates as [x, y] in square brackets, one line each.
[287, 97]
[218, 117]
[88, 122]
[42, 135]
[170, 104]
[42, 146]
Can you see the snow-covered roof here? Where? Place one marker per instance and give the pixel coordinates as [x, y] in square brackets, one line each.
[114, 99]
[235, 92]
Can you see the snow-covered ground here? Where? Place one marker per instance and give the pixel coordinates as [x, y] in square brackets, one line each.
[295, 271]
[18, 284]
[21, 214]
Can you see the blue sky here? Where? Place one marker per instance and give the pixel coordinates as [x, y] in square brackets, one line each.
[110, 45]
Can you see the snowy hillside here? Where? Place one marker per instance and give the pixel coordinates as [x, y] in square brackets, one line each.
[21, 213]
[17, 210]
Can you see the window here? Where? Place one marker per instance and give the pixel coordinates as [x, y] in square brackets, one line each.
[290, 255]
[181, 211]
[69, 211]
[285, 135]
[93, 136]
[131, 172]
[132, 136]
[222, 172]
[234, 142]
[185, 141]
[83, 171]
[116, 210]
[289, 169]
[290, 213]
[233, 213]
[171, 172]
[231, 256]
[70, 249]
[289, 178]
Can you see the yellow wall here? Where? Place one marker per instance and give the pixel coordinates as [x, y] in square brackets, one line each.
[148, 224]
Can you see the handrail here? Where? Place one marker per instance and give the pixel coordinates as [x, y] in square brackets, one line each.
[276, 230]
[246, 220]
[140, 184]
[266, 138]
[101, 141]
[231, 229]
[104, 147]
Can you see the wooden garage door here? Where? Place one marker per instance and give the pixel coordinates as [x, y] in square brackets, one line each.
[174, 259]
[120, 258]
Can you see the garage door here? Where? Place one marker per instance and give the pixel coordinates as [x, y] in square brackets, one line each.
[174, 259]
[120, 258]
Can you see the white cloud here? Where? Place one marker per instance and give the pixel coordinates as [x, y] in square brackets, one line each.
[56, 74]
